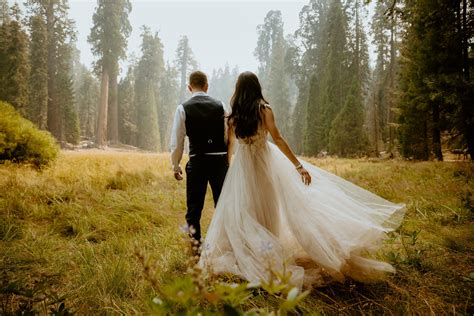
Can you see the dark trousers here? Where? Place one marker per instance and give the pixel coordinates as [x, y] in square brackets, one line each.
[201, 170]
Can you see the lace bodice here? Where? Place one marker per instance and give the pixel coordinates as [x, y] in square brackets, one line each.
[258, 140]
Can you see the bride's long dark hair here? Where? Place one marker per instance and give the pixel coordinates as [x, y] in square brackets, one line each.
[246, 105]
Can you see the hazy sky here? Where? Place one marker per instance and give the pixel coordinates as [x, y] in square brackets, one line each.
[220, 32]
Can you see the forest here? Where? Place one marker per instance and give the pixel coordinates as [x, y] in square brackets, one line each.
[414, 100]
[377, 92]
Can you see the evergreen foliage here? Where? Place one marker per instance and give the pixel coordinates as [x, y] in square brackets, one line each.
[185, 64]
[168, 100]
[435, 87]
[108, 37]
[222, 83]
[52, 40]
[328, 87]
[347, 136]
[86, 89]
[127, 111]
[38, 102]
[14, 61]
[150, 69]
[271, 53]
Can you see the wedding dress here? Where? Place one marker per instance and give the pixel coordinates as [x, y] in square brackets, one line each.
[268, 221]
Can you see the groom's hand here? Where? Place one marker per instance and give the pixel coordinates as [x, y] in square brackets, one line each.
[178, 175]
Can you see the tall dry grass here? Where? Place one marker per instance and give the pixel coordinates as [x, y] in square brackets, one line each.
[69, 233]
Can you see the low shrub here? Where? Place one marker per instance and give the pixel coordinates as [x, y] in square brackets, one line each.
[22, 142]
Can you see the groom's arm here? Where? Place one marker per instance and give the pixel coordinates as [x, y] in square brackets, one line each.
[178, 133]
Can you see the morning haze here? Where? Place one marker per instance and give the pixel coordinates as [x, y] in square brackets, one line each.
[219, 32]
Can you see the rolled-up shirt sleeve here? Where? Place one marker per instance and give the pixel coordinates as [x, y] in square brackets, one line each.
[178, 133]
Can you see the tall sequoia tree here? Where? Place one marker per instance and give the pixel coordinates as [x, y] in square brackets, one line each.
[108, 37]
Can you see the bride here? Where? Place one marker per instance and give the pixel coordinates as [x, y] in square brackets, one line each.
[278, 215]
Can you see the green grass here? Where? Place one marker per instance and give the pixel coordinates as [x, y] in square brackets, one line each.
[69, 232]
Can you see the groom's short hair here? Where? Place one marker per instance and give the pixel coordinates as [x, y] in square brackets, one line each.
[197, 79]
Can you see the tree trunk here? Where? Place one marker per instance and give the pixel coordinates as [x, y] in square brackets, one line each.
[113, 110]
[376, 127]
[102, 120]
[436, 134]
[391, 132]
[467, 100]
[54, 111]
[357, 53]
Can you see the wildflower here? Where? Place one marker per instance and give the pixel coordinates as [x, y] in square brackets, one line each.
[292, 294]
[157, 301]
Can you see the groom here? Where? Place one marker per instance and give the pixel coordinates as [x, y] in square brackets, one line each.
[201, 118]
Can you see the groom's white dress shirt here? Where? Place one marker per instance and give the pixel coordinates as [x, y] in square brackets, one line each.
[178, 134]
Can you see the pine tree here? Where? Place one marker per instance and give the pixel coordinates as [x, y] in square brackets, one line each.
[65, 92]
[149, 71]
[168, 100]
[347, 137]
[270, 34]
[14, 63]
[4, 12]
[60, 36]
[222, 83]
[185, 63]
[328, 87]
[87, 99]
[429, 77]
[271, 53]
[38, 101]
[108, 37]
[465, 33]
[277, 84]
[378, 99]
[127, 109]
[308, 64]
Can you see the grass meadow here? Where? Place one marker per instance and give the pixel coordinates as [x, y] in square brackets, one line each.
[69, 234]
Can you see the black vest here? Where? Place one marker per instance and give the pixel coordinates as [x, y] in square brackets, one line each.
[205, 125]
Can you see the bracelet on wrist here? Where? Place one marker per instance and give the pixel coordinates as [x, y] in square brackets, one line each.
[299, 166]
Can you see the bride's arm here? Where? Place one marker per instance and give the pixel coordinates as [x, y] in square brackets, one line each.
[270, 125]
[230, 143]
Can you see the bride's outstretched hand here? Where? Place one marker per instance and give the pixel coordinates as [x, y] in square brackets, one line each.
[305, 176]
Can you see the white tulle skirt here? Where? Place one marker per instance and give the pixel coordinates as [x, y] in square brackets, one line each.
[268, 223]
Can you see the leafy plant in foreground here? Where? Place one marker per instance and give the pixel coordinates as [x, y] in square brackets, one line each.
[201, 293]
[22, 141]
